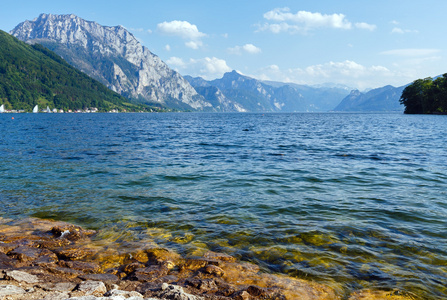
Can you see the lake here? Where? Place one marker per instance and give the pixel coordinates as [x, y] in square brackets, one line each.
[350, 200]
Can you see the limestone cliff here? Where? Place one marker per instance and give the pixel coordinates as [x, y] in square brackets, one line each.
[113, 56]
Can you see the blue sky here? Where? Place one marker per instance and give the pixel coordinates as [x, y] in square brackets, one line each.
[361, 44]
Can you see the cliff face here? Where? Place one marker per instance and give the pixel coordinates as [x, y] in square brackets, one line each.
[113, 56]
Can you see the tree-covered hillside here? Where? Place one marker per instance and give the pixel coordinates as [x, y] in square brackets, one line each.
[32, 74]
[426, 96]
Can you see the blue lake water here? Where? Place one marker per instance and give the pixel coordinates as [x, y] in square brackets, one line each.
[350, 200]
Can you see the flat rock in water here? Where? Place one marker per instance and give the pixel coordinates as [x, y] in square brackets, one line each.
[219, 256]
[96, 288]
[59, 287]
[86, 267]
[22, 276]
[25, 254]
[74, 253]
[107, 278]
[71, 232]
[65, 272]
[124, 294]
[6, 262]
[7, 290]
[170, 291]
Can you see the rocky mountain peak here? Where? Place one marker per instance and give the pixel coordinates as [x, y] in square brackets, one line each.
[114, 56]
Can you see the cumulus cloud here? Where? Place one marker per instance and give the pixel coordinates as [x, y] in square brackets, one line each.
[175, 62]
[366, 26]
[345, 72]
[402, 31]
[184, 30]
[194, 44]
[168, 48]
[208, 68]
[308, 19]
[283, 20]
[247, 48]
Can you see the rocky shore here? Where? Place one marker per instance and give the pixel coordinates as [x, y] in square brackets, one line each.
[42, 259]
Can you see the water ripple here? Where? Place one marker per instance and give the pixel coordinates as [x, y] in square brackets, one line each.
[357, 200]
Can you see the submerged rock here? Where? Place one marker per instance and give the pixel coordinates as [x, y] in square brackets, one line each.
[71, 232]
[47, 268]
[378, 295]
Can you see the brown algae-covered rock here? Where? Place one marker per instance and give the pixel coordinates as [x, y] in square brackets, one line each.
[378, 295]
[60, 256]
[71, 232]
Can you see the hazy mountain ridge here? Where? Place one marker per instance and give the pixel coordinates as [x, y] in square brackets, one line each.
[256, 95]
[113, 56]
[380, 99]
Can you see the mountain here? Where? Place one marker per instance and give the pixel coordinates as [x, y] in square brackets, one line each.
[243, 93]
[113, 56]
[33, 75]
[381, 99]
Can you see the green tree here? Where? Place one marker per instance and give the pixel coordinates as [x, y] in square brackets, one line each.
[440, 94]
[417, 97]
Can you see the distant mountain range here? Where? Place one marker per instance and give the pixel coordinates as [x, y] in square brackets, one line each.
[243, 93]
[382, 99]
[113, 56]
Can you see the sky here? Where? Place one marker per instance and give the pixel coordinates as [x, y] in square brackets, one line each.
[362, 44]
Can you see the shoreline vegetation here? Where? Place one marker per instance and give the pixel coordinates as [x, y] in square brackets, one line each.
[32, 75]
[426, 96]
[45, 259]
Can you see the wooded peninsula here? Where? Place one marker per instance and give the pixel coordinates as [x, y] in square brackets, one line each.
[426, 96]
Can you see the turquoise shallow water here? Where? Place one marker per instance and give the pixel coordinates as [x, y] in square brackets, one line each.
[351, 200]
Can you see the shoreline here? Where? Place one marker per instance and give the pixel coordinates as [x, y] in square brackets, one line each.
[44, 259]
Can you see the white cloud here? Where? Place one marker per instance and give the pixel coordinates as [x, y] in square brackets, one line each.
[168, 48]
[411, 52]
[208, 68]
[346, 72]
[366, 26]
[282, 20]
[184, 30]
[402, 31]
[248, 48]
[175, 62]
[252, 49]
[281, 27]
[308, 19]
[194, 44]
